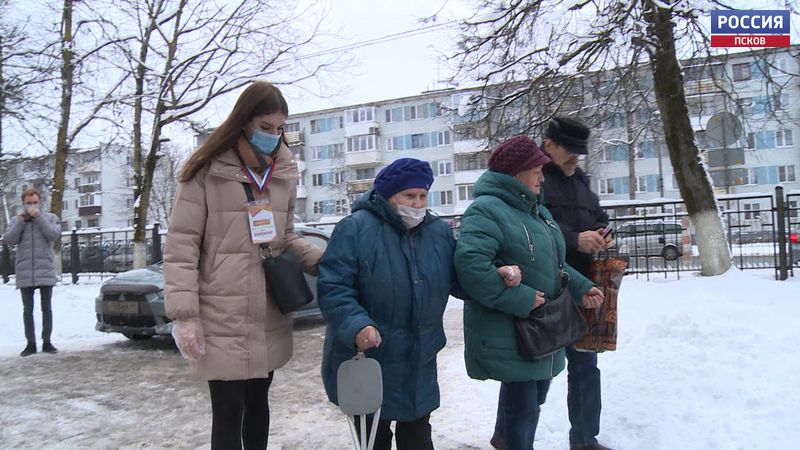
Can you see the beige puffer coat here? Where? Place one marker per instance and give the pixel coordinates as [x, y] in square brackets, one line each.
[213, 271]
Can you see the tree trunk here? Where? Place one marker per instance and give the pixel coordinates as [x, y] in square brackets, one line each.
[62, 143]
[693, 181]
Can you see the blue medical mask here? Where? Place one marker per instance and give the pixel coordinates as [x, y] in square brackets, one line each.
[265, 143]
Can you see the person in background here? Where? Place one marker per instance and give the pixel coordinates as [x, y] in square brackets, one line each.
[383, 285]
[507, 224]
[577, 211]
[34, 232]
[226, 324]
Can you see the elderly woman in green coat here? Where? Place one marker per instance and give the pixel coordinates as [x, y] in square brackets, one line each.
[508, 223]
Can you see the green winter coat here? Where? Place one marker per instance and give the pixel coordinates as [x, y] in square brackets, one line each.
[506, 224]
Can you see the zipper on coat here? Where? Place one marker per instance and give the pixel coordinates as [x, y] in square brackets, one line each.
[530, 243]
[33, 256]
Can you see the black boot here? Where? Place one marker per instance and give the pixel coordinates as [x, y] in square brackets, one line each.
[29, 350]
[48, 348]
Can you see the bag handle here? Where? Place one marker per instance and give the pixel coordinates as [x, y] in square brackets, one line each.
[264, 250]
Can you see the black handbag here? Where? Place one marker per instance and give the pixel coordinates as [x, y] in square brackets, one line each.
[556, 324]
[285, 281]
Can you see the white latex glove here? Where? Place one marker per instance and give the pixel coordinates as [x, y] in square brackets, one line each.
[189, 338]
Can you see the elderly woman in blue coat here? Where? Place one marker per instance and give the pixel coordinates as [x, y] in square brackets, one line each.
[383, 285]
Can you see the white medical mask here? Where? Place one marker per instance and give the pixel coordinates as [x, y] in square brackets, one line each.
[411, 216]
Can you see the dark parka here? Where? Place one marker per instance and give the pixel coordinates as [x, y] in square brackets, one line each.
[34, 262]
[575, 208]
[506, 224]
[376, 272]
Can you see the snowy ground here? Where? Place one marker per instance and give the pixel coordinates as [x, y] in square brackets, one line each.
[702, 363]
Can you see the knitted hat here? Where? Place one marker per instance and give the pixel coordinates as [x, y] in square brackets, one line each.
[570, 133]
[516, 155]
[402, 174]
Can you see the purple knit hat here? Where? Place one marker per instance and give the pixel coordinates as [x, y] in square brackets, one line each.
[516, 155]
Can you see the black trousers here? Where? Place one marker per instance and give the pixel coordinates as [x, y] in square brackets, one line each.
[240, 414]
[414, 435]
[46, 294]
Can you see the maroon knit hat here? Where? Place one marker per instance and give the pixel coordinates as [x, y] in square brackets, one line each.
[516, 155]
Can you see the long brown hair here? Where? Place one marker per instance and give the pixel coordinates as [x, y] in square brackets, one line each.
[258, 99]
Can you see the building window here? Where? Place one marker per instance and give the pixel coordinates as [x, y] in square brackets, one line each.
[76, 204]
[326, 124]
[65, 226]
[77, 223]
[341, 207]
[291, 127]
[465, 193]
[751, 211]
[783, 138]
[87, 200]
[741, 72]
[446, 198]
[77, 182]
[64, 205]
[365, 114]
[365, 174]
[361, 143]
[750, 141]
[92, 223]
[330, 151]
[477, 161]
[444, 168]
[444, 137]
[786, 174]
[606, 186]
[745, 105]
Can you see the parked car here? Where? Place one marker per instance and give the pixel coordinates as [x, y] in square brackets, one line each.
[650, 238]
[794, 249]
[132, 303]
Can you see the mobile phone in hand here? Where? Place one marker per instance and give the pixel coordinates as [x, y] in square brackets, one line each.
[607, 230]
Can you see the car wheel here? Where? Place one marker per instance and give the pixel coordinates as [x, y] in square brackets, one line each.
[136, 337]
[670, 253]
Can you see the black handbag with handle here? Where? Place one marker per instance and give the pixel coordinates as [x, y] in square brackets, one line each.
[556, 324]
[286, 283]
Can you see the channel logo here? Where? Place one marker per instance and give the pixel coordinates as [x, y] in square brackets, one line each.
[753, 28]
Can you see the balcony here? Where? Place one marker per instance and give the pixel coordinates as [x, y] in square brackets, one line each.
[359, 186]
[89, 188]
[359, 128]
[302, 192]
[467, 176]
[294, 137]
[706, 86]
[91, 210]
[92, 167]
[301, 165]
[469, 146]
[367, 158]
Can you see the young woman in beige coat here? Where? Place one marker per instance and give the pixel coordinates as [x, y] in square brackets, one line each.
[226, 325]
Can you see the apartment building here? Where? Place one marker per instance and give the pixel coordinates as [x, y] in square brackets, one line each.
[98, 186]
[339, 151]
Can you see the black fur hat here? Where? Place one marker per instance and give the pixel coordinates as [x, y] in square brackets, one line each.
[570, 133]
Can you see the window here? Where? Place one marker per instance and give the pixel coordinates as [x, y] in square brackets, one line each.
[741, 72]
[793, 209]
[780, 102]
[750, 143]
[365, 174]
[77, 182]
[394, 114]
[606, 186]
[616, 120]
[752, 211]
[465, 193]
[291, 127]
[76, 204]
[444, 168]
[341, 207]
[301, 180]
[617, 152]
[326, 124]
[703, 72]
[87, 200]
[330, 151]
[91, 179]
[477, 161]
[417, 140]
[446, 198]
[444, 137]
[786, 174]
[316, 179]
[65, 226]
[647, 183]
[365, 114]
[783, 138]
[64, 205]
[745, 105]
[77, 223]
[645, 150]
[92, 223]
[361, 143]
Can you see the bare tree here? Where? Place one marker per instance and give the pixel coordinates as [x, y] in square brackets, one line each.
[187, 54]
[550, 46]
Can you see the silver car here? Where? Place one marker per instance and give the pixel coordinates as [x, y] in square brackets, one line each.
[132, 303]
[660, 238]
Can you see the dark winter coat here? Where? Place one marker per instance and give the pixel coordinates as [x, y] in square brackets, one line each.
[35, 261]
[506, 224]
[575, 208]
[376, 272]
